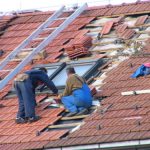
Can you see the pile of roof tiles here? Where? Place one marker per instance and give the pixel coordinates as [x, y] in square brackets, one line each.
[121, 29]
[78, 47]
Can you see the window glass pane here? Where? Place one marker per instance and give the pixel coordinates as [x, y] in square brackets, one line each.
[61, 78]
[81, 70]
[50, 71]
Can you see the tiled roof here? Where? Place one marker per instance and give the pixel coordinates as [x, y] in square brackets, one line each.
[13, 133]
[120, 118]
[123, 9]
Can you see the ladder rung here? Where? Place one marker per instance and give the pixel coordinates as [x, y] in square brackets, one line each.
[27, 49]
[5, 70]
[61, 18]
[15, 59]
[39, 38]
[50, 28]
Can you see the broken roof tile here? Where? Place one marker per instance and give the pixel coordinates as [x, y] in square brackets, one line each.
[121, 28]
[107, 27]
[141, 20]
[127, 34]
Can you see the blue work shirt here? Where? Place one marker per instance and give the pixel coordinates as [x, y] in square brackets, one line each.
[39, 75]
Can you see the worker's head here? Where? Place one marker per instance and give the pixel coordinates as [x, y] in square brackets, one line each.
[43, 69]
[70, 70]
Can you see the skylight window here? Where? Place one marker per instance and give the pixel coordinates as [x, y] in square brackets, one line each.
[52, 69]
[82, 68]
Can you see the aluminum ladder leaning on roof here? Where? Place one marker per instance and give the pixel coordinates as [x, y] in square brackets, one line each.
[21, 47]
[43, 44]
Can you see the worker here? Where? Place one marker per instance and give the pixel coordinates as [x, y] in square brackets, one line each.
[25, 85]
[76, 96]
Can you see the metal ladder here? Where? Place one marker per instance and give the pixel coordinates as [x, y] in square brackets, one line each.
[31, 37]
[43, 44]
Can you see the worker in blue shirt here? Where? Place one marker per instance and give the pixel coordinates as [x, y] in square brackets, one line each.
[25, 85]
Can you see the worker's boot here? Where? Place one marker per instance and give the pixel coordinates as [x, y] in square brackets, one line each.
[82, 112]
[21, 120]
[33, 119]
[71, 114]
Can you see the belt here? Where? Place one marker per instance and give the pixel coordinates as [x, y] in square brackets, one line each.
[22, 77]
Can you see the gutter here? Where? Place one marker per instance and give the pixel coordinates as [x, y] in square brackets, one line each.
[130, 144]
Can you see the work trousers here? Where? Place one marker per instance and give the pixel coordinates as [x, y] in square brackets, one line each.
[79, 100]
[26, 98]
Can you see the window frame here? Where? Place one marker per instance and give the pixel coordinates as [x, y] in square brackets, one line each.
[90, 73]
[59, 66]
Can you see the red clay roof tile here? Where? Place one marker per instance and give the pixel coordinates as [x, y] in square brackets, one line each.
[141, 20]
[121, 28]
[107, 27]
[127, 34]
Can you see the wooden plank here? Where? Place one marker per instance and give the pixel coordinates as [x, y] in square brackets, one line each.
[105, 70]
[98, 85]
[91, 108]
[144, 25]
[102, 43]
[143, 32]
[110, 36]
[99, 78]
[94, 25]
[116, 62]
[65, 125]
[138, 32]
[108, 50]
[135, 92]
[130, 27]
[74, 117]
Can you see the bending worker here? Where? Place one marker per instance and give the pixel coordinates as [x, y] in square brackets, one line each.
[25, 85]
[76, 96]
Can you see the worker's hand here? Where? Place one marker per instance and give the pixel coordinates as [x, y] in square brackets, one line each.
[57, 99]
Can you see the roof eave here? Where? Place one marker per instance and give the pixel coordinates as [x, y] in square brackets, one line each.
[129, 144]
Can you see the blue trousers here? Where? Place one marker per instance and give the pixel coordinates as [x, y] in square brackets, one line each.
[79, 100]
[26, 98]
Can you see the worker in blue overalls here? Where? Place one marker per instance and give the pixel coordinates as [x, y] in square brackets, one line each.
[76, 96]
[25, 85]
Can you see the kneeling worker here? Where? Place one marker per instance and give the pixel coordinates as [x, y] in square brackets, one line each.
[25, 85]
[76, 96]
